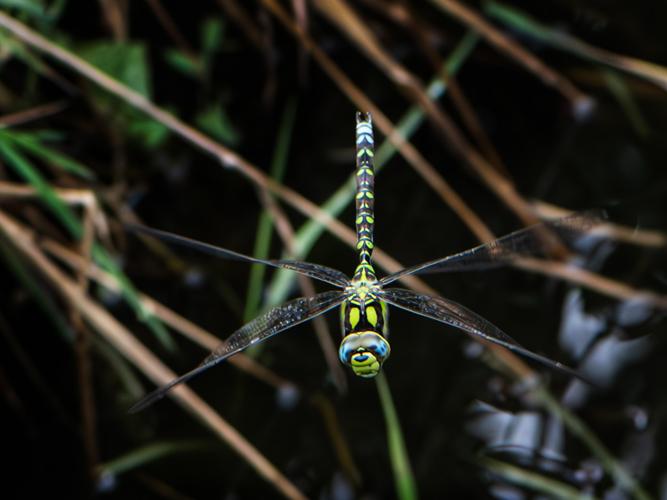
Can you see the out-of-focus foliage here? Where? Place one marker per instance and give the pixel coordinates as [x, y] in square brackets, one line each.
[524, 106]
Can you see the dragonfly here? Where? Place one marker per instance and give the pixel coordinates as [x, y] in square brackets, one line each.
[364, 299]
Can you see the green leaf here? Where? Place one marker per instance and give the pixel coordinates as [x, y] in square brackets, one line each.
[214, 121]
[212, 33]
[150, 133]
[34, 8]
[126, 62]
[182, 63]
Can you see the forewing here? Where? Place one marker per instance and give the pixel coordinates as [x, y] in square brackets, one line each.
[453, 314]
[272, 322]
[534, 240]
[315, 271]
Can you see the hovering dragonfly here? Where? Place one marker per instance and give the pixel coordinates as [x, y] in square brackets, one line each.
[363, 299]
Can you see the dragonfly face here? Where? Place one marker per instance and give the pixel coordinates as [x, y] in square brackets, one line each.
[364, 347]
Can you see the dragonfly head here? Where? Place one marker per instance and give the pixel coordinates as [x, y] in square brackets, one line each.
[364, 352]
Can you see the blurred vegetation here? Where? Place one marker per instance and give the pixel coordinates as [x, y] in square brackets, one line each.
[233, 123]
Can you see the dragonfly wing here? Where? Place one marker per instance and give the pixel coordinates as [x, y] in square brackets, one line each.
[268, 324]
[529, 241]
[315, 271]
[454, 314]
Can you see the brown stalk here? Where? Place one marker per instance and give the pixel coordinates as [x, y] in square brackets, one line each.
[233, 161]
[337, 436]
[559, 270]
[474, 126]
[400, 14]
[116, 334]
[631, 235]
[591, 280]
[347, 20]
[171, 28]
[244, 21]
[115, 15]
[35, 113]
[407, 150]
[82, 347]
[643, 69]
[85, 267]
[286, 233]
[495, 37]
[170, 318]
[227, 157]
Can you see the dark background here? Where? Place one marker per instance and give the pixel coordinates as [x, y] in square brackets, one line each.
[601, 160]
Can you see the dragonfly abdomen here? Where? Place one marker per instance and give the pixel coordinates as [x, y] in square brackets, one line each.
[365, 198]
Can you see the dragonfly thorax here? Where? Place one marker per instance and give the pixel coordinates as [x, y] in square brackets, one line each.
[364, 347]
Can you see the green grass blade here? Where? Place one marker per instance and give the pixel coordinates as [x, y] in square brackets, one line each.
[406, 489]
[530, 479]
[310, 232]
[31, 175]
[577, 427]
[617, 86]
[67, 217]
[265, 224]
[30, 283]
[147, 454]
[32, 144]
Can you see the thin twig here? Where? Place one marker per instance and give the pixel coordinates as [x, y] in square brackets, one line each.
[227, 157]
[82, 347]
[190, 330]
[35, 113]
[495, 37]
[286, 233]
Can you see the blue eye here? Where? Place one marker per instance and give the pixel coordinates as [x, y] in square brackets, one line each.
[361, 342]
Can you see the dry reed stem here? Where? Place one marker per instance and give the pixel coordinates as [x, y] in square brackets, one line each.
[171, 28]
[515, 51]
[82, 347]
[591, 280]
[634, 236]
[87, 199]
[493, 178]
[34, 113]
[286, 233]
[345, 18]
[227, 157]
[231, 160]
[651, 72]
[244, 21]
[116, 334]
[380, 120]
[170, 318]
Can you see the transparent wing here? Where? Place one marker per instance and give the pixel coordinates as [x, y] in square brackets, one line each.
[316, 271]
[274, 321]
[453, 314]
[530, 241]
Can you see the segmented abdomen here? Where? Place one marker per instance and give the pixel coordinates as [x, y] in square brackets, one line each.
[365, 177]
